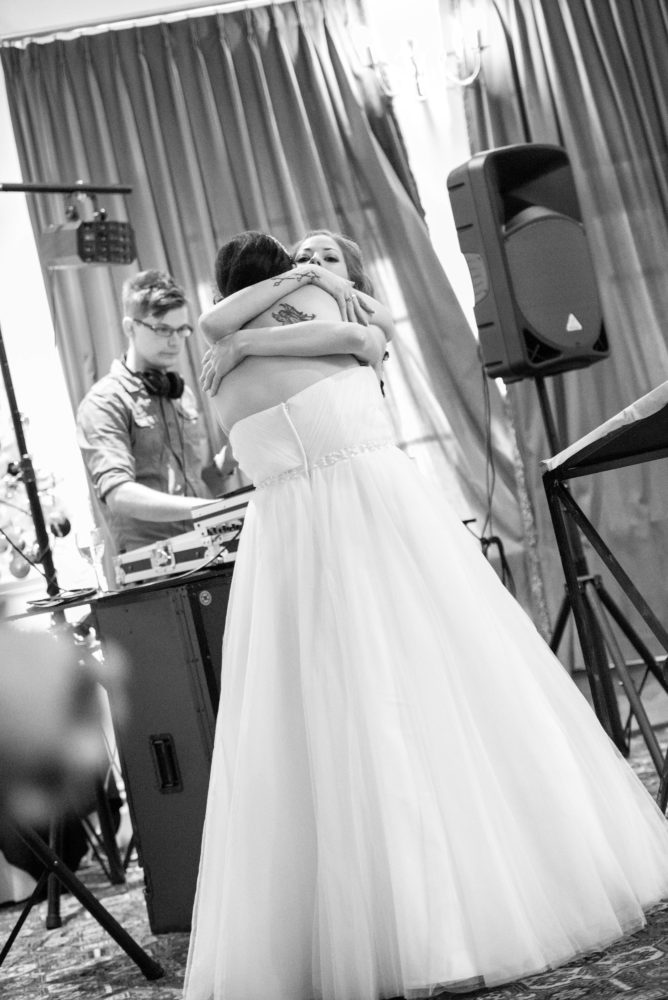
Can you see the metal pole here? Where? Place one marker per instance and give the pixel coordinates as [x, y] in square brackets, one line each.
[29, 481]
[82, 186]
[555, 446]
[629, 687]
[25, 462]
[591, 638]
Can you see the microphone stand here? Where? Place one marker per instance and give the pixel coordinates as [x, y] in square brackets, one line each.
[54, 867]
[29, 480]
[45, 556]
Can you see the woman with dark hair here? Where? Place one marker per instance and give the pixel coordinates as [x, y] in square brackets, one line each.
[408, 793]
[248, 258]
[330, 261]
[280, 351]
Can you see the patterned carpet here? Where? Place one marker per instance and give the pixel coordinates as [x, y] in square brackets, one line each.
[79, 960]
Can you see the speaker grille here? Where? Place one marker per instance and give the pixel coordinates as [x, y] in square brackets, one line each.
[554, 284]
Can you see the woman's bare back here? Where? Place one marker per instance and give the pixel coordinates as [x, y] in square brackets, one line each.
[259, 383]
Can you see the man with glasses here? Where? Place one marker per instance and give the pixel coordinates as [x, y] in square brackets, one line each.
[138, 428]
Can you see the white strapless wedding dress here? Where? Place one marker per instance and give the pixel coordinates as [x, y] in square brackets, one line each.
[408, 792]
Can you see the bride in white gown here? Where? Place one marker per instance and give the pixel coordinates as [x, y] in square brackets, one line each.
[408, 793]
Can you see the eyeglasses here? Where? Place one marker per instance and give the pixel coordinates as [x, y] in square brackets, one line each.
[165, 330]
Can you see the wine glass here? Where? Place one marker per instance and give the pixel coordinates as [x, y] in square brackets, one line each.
[90, 544]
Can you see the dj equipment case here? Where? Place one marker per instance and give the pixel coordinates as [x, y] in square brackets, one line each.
[171, 633]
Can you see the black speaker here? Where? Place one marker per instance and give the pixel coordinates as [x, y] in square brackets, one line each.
[171, 634]
[520, 229]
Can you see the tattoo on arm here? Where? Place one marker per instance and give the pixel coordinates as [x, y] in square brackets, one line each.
[305, 276]
[287, 314]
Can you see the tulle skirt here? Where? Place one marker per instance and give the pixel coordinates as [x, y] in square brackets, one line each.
[408, 792]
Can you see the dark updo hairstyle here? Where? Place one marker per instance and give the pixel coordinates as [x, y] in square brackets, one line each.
[352, 256]
[248, 258]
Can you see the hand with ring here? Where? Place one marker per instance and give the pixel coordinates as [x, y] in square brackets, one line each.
[342, 290]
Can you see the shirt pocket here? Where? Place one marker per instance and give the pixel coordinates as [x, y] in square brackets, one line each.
[148, 445]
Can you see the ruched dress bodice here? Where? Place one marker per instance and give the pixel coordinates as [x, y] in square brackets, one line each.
[335, 418]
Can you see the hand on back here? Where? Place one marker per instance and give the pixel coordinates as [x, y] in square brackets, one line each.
[218, 360]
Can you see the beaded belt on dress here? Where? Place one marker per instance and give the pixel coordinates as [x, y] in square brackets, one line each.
[331, 458]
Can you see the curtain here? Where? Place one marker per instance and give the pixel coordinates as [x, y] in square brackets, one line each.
[256, 119]
[589, 75]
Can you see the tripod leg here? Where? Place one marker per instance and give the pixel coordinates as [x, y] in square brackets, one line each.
[128, 853]
[30, 902]
[597, 665]
[560, 624]
[627, 683]
[116, 870]
[51, 861]
[53, 918]
[662, 797]
[620, 575]
[591, 640]
[96, 846]
[627, 629]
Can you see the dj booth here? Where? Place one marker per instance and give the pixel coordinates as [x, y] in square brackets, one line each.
[169, 624]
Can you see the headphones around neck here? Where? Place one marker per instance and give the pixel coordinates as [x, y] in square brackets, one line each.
[169, 385]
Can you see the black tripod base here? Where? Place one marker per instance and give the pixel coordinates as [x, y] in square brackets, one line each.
[595, 613]
[596, 663]
[54, 866]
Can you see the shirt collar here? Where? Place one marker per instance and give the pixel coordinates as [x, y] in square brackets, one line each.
[130, 382]
[134, 385]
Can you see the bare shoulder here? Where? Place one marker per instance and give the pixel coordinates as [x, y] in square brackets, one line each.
[305, 303]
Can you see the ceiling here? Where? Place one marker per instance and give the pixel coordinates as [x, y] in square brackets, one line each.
[20, 18]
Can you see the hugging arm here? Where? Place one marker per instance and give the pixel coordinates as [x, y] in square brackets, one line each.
[308, 338]
[234, 311]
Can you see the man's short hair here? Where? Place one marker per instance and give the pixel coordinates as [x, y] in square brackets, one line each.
[151, 293]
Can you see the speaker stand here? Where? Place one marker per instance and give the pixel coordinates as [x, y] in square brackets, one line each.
[591, 638]
[595, 612]
[103, 846]
[53, 866]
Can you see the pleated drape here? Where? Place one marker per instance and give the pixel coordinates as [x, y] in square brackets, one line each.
[590, 75]
[261, 119]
